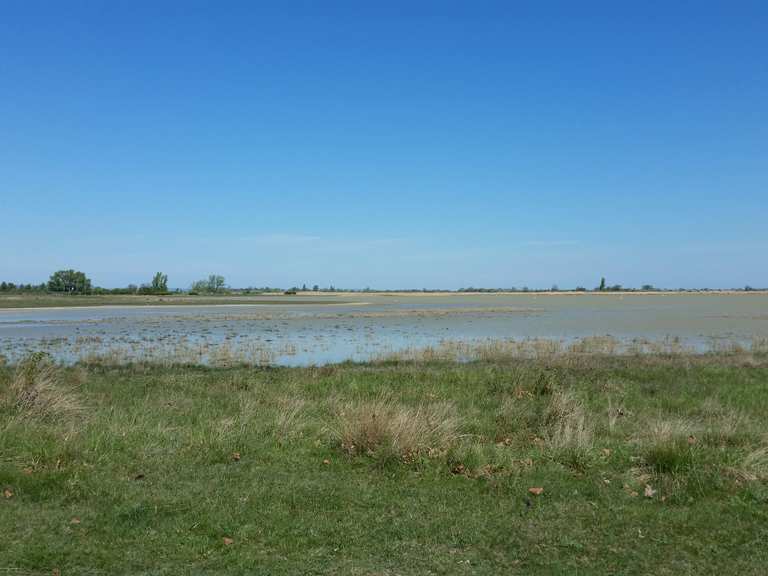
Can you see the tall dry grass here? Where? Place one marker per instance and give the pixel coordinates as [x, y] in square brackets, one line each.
[754, 466]
[493, 350]
[566, 423]
[290, 418]
[384, 426]
[724, 426]
[38, 391]
[669, 445]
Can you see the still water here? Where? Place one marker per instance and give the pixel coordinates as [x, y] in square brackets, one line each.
[292, 331]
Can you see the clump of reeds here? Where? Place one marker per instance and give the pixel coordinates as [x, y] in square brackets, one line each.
[497, 350]
[595, 345]
[383, 426]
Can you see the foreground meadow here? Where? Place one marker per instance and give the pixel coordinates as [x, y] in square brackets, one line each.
[564, 464]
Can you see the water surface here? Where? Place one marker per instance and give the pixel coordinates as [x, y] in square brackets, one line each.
[334, 328]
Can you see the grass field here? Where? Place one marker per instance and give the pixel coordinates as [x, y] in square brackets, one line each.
[574, 464]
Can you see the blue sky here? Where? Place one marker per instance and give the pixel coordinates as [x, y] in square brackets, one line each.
[397, 144]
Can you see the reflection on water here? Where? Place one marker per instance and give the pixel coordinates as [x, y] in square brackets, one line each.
[375, 325]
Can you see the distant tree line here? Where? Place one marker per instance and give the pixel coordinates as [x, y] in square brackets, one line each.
[603, 286]
[11, 287]
[76, 282]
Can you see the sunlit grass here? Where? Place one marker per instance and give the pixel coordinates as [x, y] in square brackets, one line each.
[399, 466]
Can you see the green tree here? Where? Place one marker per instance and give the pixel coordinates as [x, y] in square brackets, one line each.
[602, 284]
[160, 282]
[70, 282]
[214, 283]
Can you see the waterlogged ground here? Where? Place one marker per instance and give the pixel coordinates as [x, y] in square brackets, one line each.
[321, 329]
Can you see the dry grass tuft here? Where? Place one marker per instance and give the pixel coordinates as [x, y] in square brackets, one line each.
[665, 431]
[755, 465]
[759, 345]
[515, 415]
[724, 426]
[290, 419]
[565, 422]
[592, 345]
[670, 446]
[616, 411]
[384, 426]
[37, 391]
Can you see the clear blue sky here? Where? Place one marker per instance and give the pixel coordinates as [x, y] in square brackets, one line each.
[388, 144]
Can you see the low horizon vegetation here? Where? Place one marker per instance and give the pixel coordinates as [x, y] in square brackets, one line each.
[76, 283]
[582, 461]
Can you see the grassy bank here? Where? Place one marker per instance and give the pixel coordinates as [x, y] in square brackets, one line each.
[592, 464]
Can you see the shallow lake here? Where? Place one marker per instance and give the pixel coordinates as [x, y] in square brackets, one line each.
[319, 329]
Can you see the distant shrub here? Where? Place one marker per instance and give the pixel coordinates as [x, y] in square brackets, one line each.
[70, 282]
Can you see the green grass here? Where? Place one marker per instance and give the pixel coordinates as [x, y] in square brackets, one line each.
[389, 468]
